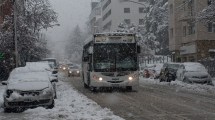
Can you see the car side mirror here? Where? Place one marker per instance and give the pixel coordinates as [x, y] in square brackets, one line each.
[4, 82]
[54, 72]
[54, 80]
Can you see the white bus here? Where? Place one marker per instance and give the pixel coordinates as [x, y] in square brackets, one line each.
[111, 60]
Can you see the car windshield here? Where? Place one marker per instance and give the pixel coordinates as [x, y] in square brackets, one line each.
[195, 68]
[74, 67]
[173, 66]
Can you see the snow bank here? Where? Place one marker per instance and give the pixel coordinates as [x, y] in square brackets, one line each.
[179, 85]
[70, 105]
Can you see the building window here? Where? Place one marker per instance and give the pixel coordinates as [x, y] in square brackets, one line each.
[184, 31]
[191, 29]
[107, 26]
[127, 21]
[211, 27]
[106, 15]
[141, 10]
[106, 5]
[126, 10]
[141, 21]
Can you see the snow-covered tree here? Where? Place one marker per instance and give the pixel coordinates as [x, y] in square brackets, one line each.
[155, 33]
[36, 16]
[75, 45]
[207, 15]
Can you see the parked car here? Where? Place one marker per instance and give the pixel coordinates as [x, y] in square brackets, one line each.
[157, 70]
[74, 71]
[193, 72]
[28, 90]
[168, 72]
[43, 66]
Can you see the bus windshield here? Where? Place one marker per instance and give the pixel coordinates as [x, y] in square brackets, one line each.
[115, 57]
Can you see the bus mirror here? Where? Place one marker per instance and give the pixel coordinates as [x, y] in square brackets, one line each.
[138, 49]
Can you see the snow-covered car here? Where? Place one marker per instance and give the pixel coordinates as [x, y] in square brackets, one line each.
[28, 90]
[74, 71]
[43, 66]
[193, 72]
[168, 72]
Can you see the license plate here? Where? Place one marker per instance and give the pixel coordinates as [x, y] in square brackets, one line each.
[27, 100]
[115, 85]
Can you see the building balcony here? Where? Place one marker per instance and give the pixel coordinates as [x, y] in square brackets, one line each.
[186, 16]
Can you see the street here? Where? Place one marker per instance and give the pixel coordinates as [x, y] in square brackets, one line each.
[154, 102]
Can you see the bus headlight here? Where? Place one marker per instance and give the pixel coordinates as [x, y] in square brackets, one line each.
[100, 79]
[97, 78]
[130, 78]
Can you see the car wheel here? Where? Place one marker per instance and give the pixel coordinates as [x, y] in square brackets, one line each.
[85, 85]
[8, 110]
[129, 88]
[186, 80]
[161, 80]
[94, 89]
[20, 109]
[51, 106]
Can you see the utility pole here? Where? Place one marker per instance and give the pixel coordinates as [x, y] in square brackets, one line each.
[15, 33]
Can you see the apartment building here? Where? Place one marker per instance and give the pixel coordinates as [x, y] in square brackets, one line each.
[189, 40]
[114, 12]
[5, 9]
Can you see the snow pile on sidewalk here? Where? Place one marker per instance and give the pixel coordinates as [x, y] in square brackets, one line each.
[70, 105]
[198, 88]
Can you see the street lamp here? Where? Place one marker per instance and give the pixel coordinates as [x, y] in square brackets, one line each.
[15, 32]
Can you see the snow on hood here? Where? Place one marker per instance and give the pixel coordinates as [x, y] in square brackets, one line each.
[28, 86]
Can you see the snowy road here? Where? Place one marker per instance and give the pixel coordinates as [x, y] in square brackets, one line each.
[70, 105]
[155, 101]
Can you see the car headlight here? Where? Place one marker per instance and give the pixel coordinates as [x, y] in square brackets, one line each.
[78, 71]
[70, 71]
[64, 68]
[8, 93]
[47, 91]
[97, 78]
[130, 78]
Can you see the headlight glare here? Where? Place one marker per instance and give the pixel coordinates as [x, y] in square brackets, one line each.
[130, 78]
[100, 79]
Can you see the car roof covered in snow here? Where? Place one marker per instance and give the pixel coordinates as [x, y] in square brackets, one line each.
[194, 66]
[29, 76]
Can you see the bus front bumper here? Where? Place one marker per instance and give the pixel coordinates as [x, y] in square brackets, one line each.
[104, 83]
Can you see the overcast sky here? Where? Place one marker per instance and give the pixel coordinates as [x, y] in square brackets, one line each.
[71, 13]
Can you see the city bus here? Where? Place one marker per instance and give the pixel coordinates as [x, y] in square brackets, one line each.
[111, 60]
